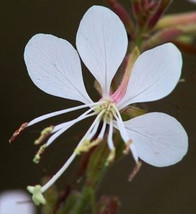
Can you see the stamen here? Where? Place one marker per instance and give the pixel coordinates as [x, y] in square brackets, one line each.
[134, 153]
[124, 134]
[87, 145]
[110, 134]
[110, 142]
[135, 170]
[44, 135]
[97, 119]
[120, 125]
[62, 125]
[65, 126]
[102, 132]
[122, 130]
[71, 158]
[127, 147]
[59, 173]
[83, 148]
[126, 139]
[111, 157]
[18, 131]
[95, 142]
[39, 153]
[53, 114]
[94, 130]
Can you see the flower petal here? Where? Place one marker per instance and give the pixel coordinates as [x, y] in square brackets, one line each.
[102, 43]
[159, 139]
[16, 202]
[193, 1]
[155, 74]
[54, 67]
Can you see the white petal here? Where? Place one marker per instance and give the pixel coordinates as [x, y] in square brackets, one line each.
[193, 1]
[16, 202]
[160, 140]
[102, 43]
[155, 74]
[54, 67]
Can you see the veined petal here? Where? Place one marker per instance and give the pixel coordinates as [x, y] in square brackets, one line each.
[155, 74]
[160, 140]
[54, 67]
[102, 44]
[193, 1]
[16, 201]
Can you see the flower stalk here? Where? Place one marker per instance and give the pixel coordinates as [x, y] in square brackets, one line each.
[95, 171]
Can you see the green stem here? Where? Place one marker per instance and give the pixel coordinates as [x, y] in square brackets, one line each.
[94, 173]
[87, 198]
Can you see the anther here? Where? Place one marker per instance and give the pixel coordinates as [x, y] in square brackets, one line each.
[37, 157]
[135, 170]
[44, 135]
[87, 145]
[83, 148]
[127, 147]
[95, 143]
[111, 157]
[18, 131]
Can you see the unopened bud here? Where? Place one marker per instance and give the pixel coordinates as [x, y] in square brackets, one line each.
[160, 10]
[183, 19]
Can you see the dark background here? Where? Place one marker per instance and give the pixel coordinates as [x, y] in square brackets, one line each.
[170, 190]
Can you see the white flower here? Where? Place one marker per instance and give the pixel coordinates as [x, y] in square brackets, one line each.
[193, 1]
[54, 66]
[16, 202]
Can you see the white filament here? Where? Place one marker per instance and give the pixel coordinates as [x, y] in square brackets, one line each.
[110, 134]
[124, 134]
[94, 130]
[71, 158]
[66, 126]
[81, 117]
[53, 114]
[102, 132]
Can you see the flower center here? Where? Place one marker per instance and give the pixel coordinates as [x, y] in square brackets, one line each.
[107, 107]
